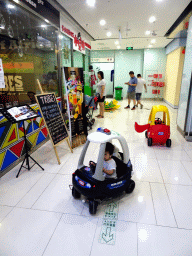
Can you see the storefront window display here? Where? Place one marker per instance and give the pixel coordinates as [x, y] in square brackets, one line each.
[65, 47]
[28, 49]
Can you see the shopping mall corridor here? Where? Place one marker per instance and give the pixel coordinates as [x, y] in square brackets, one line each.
[39, 216]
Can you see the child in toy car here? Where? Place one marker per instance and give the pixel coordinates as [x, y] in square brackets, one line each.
[109, 164]
[93, 184]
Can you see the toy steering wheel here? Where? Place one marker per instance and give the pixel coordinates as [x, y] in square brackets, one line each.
[158, 120]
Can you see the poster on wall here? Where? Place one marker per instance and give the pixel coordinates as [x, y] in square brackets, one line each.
[73, 83]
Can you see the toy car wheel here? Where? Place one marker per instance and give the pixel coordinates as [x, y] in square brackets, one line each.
[75, 193]
[93, 206]
[146, 134]
[149, 142]
[130, 187]
[168, 143]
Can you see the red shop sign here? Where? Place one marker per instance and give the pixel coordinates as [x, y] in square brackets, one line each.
[78, 42]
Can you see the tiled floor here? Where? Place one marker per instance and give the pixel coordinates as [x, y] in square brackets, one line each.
[38, 215]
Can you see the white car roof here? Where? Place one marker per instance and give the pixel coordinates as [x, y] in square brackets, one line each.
[100, 137]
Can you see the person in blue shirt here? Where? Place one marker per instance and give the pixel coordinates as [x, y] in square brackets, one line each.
[131, 90]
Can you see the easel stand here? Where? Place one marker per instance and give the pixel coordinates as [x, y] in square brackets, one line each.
[27, 156]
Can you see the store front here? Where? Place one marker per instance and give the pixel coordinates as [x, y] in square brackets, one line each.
[28, 51]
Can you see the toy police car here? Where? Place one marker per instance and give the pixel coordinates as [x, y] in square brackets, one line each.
[94, 185]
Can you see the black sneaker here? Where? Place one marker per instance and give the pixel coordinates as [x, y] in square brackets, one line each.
[133, 108]
[127, 107]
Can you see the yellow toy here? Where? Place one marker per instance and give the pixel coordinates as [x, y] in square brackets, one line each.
[111, 105]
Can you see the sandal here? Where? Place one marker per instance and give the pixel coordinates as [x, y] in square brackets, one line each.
[100, 116]
[97, 115]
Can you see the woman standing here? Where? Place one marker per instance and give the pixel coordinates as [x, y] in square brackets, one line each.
[101, 91]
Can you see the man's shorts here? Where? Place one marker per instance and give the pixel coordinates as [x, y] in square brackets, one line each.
[138, 96]
[131, 95]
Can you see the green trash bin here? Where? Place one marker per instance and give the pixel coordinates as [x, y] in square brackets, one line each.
[118, 92]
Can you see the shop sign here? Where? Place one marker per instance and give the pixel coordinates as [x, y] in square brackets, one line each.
[102, 60]
[45, 9]
[78, 43]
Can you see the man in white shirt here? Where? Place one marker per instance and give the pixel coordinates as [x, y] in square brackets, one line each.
[139, 89]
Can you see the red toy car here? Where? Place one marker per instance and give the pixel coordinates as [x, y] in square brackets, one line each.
[158, 131]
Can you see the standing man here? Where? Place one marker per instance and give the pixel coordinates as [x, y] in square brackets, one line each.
[139, 89]
[131, 90]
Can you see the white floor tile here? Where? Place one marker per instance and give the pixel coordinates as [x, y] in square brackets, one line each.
[167, 154]
[188, 167]
[70, 166]
[138, 206]
[163, 211]
[125, 241]
[31, 197]
[146, 169]
[27, 232]
[57, 197]
[163, 241]
[173, 172]
[73, 236]
[180, 198]
[4, 211]
[14, 189]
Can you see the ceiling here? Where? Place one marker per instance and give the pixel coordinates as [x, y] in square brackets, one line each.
[124, 14]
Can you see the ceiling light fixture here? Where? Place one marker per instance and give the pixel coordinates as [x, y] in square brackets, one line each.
[152, 19]
[60, 36]
[148, 32]
[102, 22]
[16, 1]
[150, 46]
[10, 6]
[2, 27]
[116, 42]
[109, 34]
[91, 3]
[153, 41]
[158, 0]
[46, 20]
[118, 46]
[43, 26]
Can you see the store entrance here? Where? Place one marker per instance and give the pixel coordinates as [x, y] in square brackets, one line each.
[106, 68]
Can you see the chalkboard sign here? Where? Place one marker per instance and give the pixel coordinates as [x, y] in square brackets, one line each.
[52, 116]
[80, 125]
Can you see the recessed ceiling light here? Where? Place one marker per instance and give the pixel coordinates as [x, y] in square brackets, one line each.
[2, 27]
[116, 42]
[109, 34]
[102, 22]
[118, 46]
[152, 19]
[91, 2]
[10, 6]
[150, 46]
[43, 26]
[16, 1]
[159, 0]
[46, 20]
[148, 32]
[60, 36]
[41, 45]
[153, 41]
